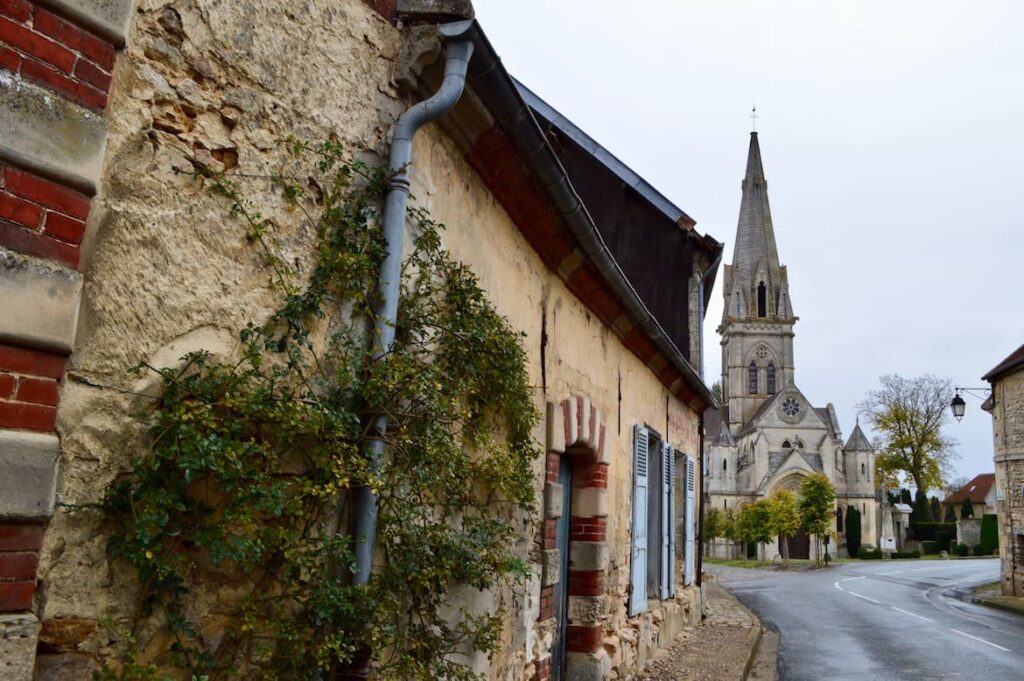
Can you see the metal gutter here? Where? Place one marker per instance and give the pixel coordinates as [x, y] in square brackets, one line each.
[458, 52]
[500, 94]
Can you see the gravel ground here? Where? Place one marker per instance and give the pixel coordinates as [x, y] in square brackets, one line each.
[717, 650]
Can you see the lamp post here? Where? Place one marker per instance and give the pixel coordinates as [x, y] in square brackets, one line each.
[959, 406]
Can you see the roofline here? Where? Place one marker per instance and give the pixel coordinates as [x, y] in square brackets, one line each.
[498, 92]
[1006, 366]
[711, 246]
[605, 157]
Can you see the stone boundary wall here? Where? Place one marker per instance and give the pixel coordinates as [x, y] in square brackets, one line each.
[56, 63]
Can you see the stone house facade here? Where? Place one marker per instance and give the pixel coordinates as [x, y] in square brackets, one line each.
[111, 254]
[1006, 405]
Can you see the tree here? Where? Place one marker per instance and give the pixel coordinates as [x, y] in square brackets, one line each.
[908, 414]
[935, 510]
[950, 514]
[853, 531]
[920, 512]
[742, 527]
[716, 391]
[713, 528]
[783, 519]
[817, 506]
[966, 509]
[760, 522]
[905, 497]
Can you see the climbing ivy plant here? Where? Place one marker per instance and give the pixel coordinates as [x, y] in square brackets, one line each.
[242, 500]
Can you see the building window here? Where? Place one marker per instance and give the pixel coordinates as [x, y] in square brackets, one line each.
[786, 444]
[752, 379]
[863, 470]
[725, 466]
[839, 520]
[771, 378]
[762, 300]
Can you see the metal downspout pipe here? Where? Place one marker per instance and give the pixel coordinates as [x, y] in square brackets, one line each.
[458, 51]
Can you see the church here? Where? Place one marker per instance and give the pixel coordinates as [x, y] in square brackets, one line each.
[767, 435]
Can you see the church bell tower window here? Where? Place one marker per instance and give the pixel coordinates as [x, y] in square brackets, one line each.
[752, 379]
[762, 300]
[771, 378]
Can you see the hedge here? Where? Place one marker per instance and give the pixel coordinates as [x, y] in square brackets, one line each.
[960, 549]
[930, 548]
[906, 554]
[926, 531]
[869, 554]
[943, 538]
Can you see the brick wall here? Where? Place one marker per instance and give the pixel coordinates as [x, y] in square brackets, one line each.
[55, 75]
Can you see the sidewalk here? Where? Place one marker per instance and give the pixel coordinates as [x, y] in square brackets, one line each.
[991, 595]
[723, 648]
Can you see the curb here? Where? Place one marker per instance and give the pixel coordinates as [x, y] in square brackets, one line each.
[754, 642]
[989, 603]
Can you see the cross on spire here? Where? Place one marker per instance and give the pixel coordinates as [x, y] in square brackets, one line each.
[753, 118]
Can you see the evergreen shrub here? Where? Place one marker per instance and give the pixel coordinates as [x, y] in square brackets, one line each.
[960, 550]
[989, 535]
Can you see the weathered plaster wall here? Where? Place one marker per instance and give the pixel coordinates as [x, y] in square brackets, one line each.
[1008, 434]
[168, 272]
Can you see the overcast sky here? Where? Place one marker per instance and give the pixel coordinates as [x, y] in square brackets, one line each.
[893, 141]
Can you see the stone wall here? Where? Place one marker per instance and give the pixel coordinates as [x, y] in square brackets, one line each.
[166, 272]
[1008, 433]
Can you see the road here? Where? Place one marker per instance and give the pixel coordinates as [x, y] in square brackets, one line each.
[883, 620]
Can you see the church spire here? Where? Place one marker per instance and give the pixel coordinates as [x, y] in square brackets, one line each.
[755, 237]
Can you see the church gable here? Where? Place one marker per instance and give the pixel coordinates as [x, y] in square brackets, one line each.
[788, 410]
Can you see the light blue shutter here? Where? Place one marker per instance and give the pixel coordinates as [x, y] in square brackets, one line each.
[670, 483]
[664, 570]
[691, 524]
[638, 562]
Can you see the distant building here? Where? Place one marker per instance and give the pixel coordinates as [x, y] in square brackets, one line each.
[1007, 408]
[767, 435]
[982, 493]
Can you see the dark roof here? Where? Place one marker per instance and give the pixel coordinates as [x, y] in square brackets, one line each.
[858, 442]
[976, 490]
[651, 238]
[514, 157]
[1011, 363]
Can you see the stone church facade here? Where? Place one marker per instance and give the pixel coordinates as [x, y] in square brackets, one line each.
[768, 435]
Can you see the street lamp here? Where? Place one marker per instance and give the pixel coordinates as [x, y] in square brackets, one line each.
[959, 406]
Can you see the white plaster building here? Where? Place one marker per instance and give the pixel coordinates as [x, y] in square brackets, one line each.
[768, 435]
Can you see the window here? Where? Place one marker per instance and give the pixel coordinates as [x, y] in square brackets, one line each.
[762, 300]
[839, 520]
[863, 469]
[771, 378]
[787, 444]
[725, 466]
[752, 379]
[725, 503]
[655, 526]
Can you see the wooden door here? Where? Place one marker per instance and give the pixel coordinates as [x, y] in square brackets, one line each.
[800, 545]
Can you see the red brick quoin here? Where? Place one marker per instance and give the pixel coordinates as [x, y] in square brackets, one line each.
[54, 53]
[575, 430]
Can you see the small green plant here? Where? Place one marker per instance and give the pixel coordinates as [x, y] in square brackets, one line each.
[930, 548]
[252, 459]
[869, 554]
[960, 550]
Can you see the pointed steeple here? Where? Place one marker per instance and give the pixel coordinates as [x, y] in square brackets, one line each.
[755, 252]
[858, 442]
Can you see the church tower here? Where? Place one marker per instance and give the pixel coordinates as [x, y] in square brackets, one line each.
[757, 322]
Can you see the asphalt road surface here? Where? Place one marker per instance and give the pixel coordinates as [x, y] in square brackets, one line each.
[893, 619]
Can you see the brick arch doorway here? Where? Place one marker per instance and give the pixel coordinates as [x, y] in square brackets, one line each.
[574, 543]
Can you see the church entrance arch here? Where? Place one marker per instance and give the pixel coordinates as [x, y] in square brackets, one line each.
[799, 544]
